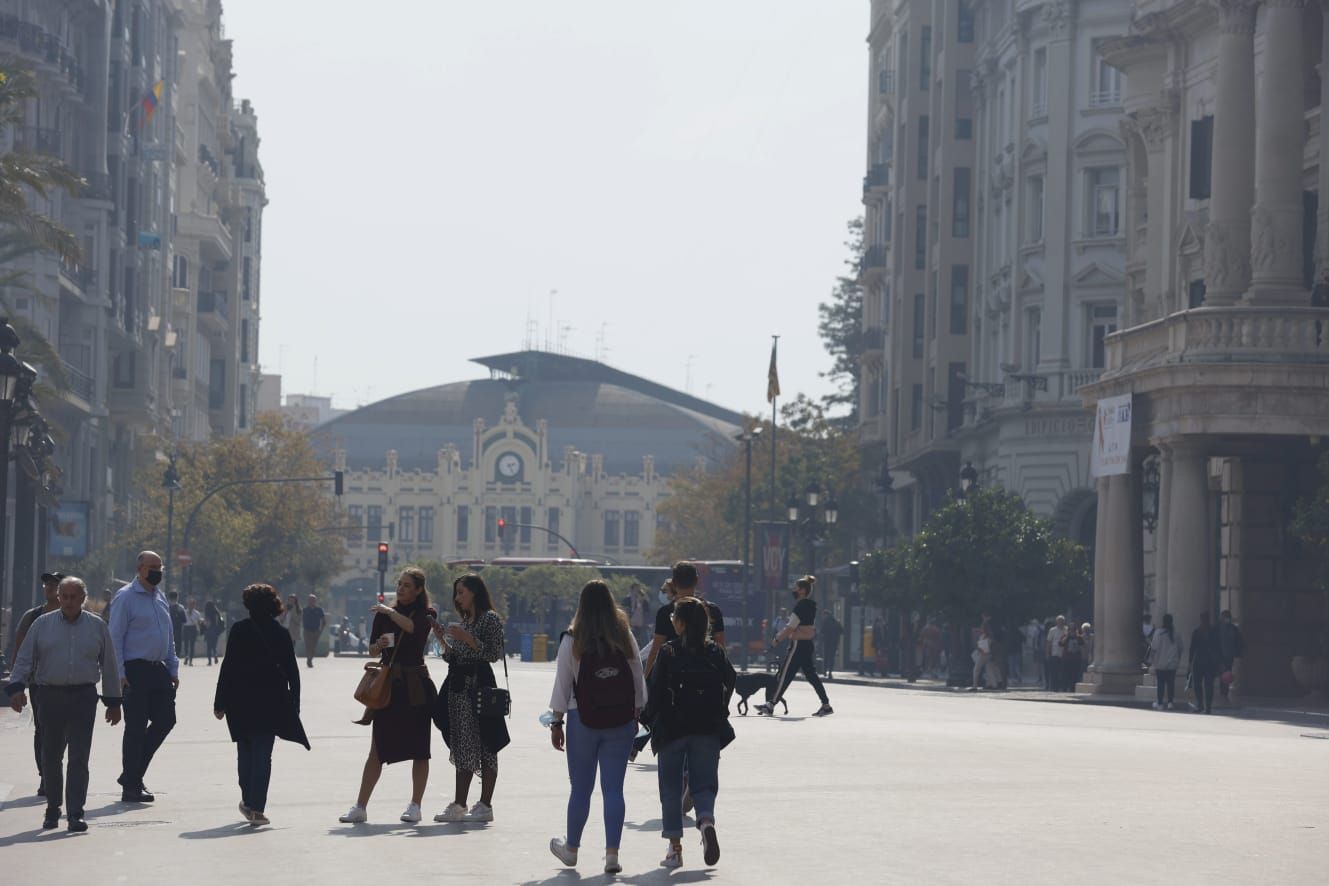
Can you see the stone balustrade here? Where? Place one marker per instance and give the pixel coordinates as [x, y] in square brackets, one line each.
[1229, 334]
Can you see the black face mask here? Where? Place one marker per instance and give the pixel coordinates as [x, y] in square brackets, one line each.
[154, 577]
[796, 595]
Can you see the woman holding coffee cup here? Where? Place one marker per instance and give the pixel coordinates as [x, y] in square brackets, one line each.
[401, 730]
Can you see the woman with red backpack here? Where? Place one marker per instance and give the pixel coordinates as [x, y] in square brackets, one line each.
[598, 692]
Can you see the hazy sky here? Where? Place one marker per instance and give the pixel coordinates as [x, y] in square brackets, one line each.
[680, 173]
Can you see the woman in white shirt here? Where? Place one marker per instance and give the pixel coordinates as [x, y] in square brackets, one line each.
[599, 690]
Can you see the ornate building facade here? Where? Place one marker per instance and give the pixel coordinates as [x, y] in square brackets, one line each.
[1223, 351]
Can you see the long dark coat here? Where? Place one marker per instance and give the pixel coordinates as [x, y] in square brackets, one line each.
[259, 683]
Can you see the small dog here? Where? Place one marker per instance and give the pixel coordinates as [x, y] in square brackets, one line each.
[750, 683]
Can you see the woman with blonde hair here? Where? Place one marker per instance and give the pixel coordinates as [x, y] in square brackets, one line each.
[599, 690]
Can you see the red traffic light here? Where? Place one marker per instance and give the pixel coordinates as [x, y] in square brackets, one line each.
[502, 524]
[382, 547]
[381, 598]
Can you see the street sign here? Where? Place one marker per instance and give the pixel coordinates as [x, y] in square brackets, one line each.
[184, 558]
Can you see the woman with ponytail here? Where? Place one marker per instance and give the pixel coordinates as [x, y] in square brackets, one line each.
[801, 633]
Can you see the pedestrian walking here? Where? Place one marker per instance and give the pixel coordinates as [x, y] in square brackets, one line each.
[474, 740]
[290, 618]
[831, 632]
[149, 673]
[1146, 635]
[683, 582]
[214, 625]
[1165, 657]
[1056, 653]
[258, 694]
[178, 619]
[688, 708]
[982, 656]
[314, 622]
[801, 634]
[400, 730]
[65, 654]
[1072, 660]
[193, 626]
[599, 690]
[1231, 646]
[50, 603]
[1205, 661]
[663, 633]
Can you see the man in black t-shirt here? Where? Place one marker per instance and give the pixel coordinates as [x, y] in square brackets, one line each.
[801, 634]
[683, 583]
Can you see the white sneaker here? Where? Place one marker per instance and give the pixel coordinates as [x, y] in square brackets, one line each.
[481, 811]
[563, 852]
[673, 858]
[354, 815]
[1156, 706]
[611, 863]
[454, 813]
[412, 813]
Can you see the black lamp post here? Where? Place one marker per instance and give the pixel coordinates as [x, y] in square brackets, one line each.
[747, 438]
[11, 376]
[170, 482]
[968, 479]
[811, 528]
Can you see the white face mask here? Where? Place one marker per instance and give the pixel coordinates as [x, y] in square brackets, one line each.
[664, 598]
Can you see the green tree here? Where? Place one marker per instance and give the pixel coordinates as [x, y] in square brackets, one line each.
[282, 534]
[841, 328]
[24, 172]
[703, 516]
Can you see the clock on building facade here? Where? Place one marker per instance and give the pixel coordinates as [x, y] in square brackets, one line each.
[508, 468]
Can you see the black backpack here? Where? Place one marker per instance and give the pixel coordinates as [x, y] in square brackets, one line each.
[697, 690]
[605, 690]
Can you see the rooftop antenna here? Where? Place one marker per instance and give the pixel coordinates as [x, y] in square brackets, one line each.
[563, 332]
[601, 347]
[315, 385]
[551, 329]
[687, 384]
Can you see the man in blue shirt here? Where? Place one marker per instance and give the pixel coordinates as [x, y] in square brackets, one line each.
[150, 672]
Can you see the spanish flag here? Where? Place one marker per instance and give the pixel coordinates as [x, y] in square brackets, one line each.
[773, 377]
[151, 99]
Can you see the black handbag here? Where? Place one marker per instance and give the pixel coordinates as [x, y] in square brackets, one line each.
[490, 701]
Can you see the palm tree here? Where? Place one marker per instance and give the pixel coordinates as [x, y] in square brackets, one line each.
[22, 172]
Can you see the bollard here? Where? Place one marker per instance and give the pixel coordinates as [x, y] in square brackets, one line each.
[539, 647]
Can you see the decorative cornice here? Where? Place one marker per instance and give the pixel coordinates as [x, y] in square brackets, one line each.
[1058, 17]
[1238, 16]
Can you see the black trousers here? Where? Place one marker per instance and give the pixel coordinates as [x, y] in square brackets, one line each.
[33, 692]
[254, 762]
[149, 718]
[1202, 682]
[801, 657]
[1166, 681]
[187, 643]
[67, 714]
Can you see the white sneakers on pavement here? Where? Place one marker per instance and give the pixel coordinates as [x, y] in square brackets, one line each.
[611, 863]
[355, 815]
[563, 852]
[453, 814]
[412, 813]
[481, 811]
[673, 858]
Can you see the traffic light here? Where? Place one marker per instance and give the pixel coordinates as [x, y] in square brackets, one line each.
[502, 525]
[382, 557]
[381, 598]
[338, 484]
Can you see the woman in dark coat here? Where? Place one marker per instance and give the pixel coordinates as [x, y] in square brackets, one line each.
[469, 649]
[401, 730]
[258, 692]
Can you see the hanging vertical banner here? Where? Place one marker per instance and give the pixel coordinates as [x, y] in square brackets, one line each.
[1111, 453]
[772, 555]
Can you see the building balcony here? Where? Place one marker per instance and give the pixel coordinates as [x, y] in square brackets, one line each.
[1275, 334]
[211, 232]
[39, 45]
[212, 310]
[878, 179]
[874, 260]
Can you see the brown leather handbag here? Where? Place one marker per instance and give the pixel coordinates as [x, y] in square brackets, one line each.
[375, 689]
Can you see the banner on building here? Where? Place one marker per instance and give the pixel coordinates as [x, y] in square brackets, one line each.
[1111, 453]
[69, 530]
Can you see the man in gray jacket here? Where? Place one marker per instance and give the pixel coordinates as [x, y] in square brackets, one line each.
[66, 653]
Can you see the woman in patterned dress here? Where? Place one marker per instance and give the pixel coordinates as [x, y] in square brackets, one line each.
[469, 649]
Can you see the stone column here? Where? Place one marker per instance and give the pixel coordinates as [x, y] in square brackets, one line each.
[1280, 132]
[1157, 126]
[1190, 540]
[1161, 534]
[1322, 222]
[1227, 241]
[1100, 567]
[1117, 644]
[1058, 224]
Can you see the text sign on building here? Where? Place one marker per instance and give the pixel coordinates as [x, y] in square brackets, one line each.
[1112, 437]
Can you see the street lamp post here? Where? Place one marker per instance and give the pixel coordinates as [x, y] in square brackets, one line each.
[11, 376]
[747, 438]
[959, 674]
[171, 481]
[809, 527]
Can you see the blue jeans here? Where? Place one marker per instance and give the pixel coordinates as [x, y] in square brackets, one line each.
[586, 750]
[254, 756]
[699, 757]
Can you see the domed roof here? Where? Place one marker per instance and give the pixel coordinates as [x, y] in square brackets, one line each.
[587, 406]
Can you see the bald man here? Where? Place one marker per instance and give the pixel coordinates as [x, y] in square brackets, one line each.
[149, 671]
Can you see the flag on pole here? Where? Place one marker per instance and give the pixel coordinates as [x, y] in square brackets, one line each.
[772, 377]
[151, 99]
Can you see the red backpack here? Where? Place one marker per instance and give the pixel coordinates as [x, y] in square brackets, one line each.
[605, 691]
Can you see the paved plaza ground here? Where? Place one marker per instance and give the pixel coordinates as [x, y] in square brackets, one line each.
[899, 786]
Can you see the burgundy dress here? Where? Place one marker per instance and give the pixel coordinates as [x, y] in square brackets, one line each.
[401, 730]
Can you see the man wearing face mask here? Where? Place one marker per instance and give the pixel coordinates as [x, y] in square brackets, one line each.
[144, 642]
[801, 633]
